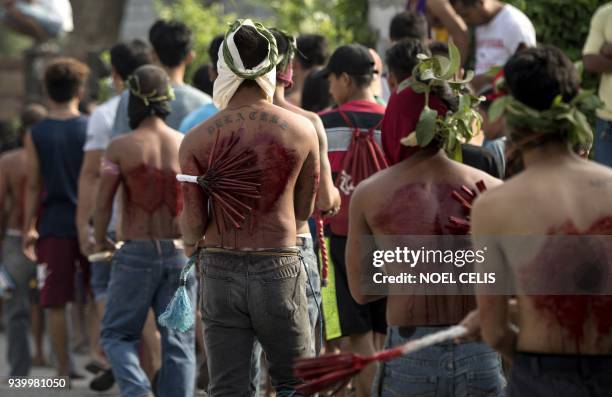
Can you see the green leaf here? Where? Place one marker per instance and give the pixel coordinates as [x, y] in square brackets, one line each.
[426, 126]
[419, 88]
[422, 57]
[469, 76]
[404, 84]
[457, 153]
[454, 61]
[427, 74]
[498, 107]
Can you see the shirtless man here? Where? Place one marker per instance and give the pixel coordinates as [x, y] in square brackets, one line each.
[22, 270]
[328, 196]
[564, 343]
[252, 279]
[147, 268]
[418, 201]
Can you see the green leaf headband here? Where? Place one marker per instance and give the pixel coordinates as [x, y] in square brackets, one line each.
[153, 96]
[566, 118]
[454, 128]
[266, 66]
[283, 60]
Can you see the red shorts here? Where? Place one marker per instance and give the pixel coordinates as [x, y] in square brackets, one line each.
[59, 258]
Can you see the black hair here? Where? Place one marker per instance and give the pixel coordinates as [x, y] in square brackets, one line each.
[312, 50]
[213, 50]
[172, 42]
[152, 82]
[282, 43]
[315, 93]
[535, 76]
[127, 57]
[401, 58]
[408, 24]
[201, 80]
[362, 80]
[253, 49]
[64, 77]
[438, 48]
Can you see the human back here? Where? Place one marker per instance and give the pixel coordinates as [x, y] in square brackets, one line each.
[274, 167]
[555, 246]
[281, 142]
[418, 201]
[563, 321]
[147, 161]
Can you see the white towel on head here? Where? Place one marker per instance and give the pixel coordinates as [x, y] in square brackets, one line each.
[227, 81]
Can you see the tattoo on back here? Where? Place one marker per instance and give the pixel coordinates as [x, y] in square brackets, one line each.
[242, 116]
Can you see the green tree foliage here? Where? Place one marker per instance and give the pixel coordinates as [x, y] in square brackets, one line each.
[341, 21]
[206, 21]
[563, 23]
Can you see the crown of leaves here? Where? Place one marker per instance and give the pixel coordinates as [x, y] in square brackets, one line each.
[271, 58]
[151, 97]
[284, 60]
[453, 128]
[566, 118]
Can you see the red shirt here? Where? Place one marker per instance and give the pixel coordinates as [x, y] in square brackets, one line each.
[401, 117]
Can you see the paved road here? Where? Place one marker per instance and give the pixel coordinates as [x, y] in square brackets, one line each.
[79, 388]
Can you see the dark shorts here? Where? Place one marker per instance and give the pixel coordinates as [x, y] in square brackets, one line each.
[560, 375]
[353, 317]
[58, 261]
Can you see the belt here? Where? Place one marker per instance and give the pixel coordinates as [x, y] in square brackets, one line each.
[287, 252]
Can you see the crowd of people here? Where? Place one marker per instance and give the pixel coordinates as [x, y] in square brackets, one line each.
[277, 173]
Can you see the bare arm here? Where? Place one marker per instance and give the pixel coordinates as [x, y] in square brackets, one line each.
[89, 180]
[194, 217]
[597, 63]
[307, 183]
[496, 327]
[358, 248]
[458, 30]
[110, 178]
[32, 198]
[328, 196]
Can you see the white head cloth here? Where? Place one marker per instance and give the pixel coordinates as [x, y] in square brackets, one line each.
[228, 80]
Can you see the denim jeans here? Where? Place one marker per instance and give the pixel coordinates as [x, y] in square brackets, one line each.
[445, 370]
[313, 290]
[602, 143]
[17, 307]
[249, 297]
[146, 274]
[555, 375]
[100, 277]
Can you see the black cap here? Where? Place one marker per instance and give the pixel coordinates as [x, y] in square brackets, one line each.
[352, 59]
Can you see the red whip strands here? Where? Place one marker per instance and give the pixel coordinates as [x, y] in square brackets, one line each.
[323, 248]
[230, 179]
[462, 225]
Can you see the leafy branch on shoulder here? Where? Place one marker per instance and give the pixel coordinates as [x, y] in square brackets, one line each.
[455, 127]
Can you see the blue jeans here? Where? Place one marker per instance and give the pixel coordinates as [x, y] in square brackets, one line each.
[445, 370]
[313, 290]
[603, 142]
[100, 277]
[146, 274]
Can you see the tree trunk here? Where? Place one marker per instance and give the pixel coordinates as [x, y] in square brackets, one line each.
[96, 26]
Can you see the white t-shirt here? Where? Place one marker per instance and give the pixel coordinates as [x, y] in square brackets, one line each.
[100, 125]
[498, 40]
[59, 11]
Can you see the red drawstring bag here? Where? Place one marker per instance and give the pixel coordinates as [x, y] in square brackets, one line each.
[362, 159]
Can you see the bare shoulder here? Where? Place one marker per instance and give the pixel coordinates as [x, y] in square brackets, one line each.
[10, 157]
[299, 122]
